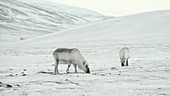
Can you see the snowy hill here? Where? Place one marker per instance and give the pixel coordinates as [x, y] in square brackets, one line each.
[29, 18]
[144, 26]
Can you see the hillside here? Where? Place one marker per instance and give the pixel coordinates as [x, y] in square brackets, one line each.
[32, 18]
[144, 26]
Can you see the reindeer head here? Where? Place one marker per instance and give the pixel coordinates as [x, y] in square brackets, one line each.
[85, 67]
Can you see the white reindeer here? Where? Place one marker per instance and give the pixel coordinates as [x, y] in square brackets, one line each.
[124, 56]
[70, 56]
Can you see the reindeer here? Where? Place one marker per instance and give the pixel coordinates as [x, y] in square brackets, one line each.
[70, 56]
[124, 56]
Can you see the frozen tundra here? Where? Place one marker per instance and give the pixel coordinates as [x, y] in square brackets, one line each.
[124, 55]
[70, 56]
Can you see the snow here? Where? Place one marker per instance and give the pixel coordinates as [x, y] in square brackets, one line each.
[32, 18]
[146, 35]
[146, 25]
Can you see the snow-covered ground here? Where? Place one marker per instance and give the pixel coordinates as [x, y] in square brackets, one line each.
[28, 65]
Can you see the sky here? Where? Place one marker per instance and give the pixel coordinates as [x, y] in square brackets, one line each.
[118, 7]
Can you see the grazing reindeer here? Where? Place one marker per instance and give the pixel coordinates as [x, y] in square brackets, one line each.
[70, 56]
[124, 56]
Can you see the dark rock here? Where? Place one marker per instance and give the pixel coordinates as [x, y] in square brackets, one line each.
[17, 85]
[8, 86]
[24, 74]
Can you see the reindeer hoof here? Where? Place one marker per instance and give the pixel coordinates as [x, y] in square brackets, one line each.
[67, 72]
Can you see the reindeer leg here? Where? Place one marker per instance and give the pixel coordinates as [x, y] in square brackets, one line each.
[75, 66]
[122, 64]
[127, 62]
[56, 68]
[67, 71]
